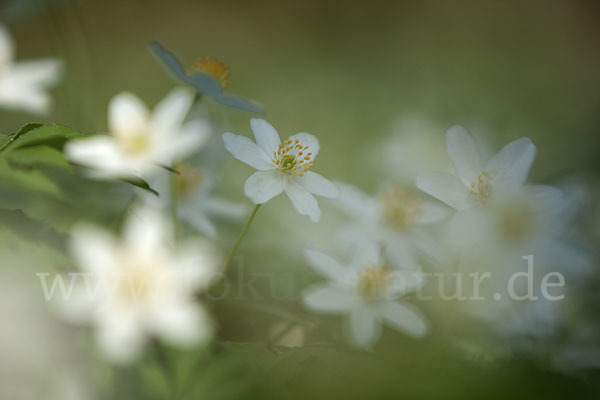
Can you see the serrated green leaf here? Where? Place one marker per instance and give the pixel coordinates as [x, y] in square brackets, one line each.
[36, 134]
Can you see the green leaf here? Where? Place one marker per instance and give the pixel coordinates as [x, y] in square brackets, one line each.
[142, 184]
[39, 156]
[33, 180]
[36, 134]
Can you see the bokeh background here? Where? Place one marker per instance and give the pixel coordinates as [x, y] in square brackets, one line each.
[350, 72]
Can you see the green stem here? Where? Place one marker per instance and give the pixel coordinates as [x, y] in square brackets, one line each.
[163, 361]
[240, 237]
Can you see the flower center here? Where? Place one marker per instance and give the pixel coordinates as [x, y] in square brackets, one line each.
[213, 67]
[292, 158]
[187, 179]
[481, 189]
[515, 222]
[400, 208]
[134, 143]
[138, 285]
[373, 282]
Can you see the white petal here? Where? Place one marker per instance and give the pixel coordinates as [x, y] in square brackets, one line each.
[102, 154]
[464, 153]
[404, 317]
[7, 49]
[318, 185]
[356, 202]
[445, 188]
[200, 222]
[303, 201]
[326, 265]
[147, 231]
[15, 97]
[225, 208]
[266, 136]
[367, 254]
[329, 299]
[513, 161]
[400, 252]
[127, 115]
[120, 337]
[364, 328]
[93, 249]
[306, 139]
[247, 152]
[192, 136]
[404, 281]
[170, 113]
[431, 213]
[182, 324]
[262, 186]
[38, 74]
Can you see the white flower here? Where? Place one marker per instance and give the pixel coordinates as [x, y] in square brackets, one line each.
[476, 182]
[395, 218]
[140, 286]
[367, 290]
[23, 85]
[141, 141]
[281, 167]
[416, 145]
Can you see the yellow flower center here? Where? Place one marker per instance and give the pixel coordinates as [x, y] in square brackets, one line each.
[292, 158]
[515, 222]
[213, 67]
[187, 179]
[373, 282]
[400, 208]
[138, 284]
[134, 143]
[481, 189]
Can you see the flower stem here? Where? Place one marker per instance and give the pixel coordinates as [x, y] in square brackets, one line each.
[163, 362]
[240, 237]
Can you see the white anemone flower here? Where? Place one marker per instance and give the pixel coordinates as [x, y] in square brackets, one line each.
[23, 84]
[139, 141]
[368, 291]
[477, 181]
[281, 167]
[140, 286]
[396, 218]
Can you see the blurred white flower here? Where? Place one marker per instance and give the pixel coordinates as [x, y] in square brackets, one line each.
[395, 218]
[281, 167]
[199, 205]
[140, 141]
[140, 286]
[366, 289]
[475, 181]
[416, 145]
[23, 85]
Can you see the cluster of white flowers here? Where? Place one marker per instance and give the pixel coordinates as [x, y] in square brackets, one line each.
[484, 218]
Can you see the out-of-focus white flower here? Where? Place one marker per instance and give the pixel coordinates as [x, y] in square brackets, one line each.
[23, 85]
[41, 358]
[476, 181]
[281, 167]
[366, 289]
[198, 204]
[140, 141]
[416, 145]
[140, 286]
[396, 218]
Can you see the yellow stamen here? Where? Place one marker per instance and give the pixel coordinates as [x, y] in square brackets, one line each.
[213, 67]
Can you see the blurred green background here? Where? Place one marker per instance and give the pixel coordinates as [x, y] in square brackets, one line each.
[346, 72]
